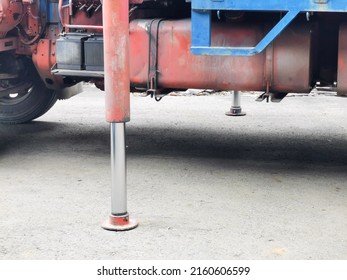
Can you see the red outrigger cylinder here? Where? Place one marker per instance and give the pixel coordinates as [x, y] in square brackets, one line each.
[117, 88]
[116, 60]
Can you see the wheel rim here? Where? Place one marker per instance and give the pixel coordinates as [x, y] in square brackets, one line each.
[16, 97]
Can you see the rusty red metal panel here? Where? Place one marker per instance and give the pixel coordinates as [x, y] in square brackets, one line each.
[33, 23]
[44, 59]
[342, 62]
[178, 68]
[8, 20]
[292, 60]
[116, 60]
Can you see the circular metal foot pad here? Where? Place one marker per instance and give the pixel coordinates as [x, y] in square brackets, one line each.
[235, 111]
[119, 223]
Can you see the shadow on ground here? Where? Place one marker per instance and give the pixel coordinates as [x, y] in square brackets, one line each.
[295, 151]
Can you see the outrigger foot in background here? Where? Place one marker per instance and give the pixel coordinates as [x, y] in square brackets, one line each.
[236, 109]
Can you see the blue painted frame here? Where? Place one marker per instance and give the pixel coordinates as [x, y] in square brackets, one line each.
[272, 5]
[201, 20]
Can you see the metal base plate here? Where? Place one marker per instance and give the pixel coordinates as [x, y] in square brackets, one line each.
[235, 112]
[108, 225]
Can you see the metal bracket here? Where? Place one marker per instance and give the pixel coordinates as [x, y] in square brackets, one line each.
[263, 96]
[7, 44]
[275, 97]
[153, 33]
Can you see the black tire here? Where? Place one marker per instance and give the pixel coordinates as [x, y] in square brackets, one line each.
[28, 104]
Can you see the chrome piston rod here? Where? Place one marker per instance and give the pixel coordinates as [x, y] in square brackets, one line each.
[118, 170]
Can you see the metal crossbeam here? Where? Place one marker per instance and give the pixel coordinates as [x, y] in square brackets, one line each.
[201, 40]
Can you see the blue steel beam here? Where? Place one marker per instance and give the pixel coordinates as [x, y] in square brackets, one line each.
[201, 20]
[272, 5]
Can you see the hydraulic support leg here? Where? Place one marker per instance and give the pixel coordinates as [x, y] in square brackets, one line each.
[236, 109]
[117, 90]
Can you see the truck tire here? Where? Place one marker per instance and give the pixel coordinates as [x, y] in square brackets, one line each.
[28, 104]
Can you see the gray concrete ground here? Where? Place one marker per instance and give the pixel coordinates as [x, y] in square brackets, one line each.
[271, 185]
